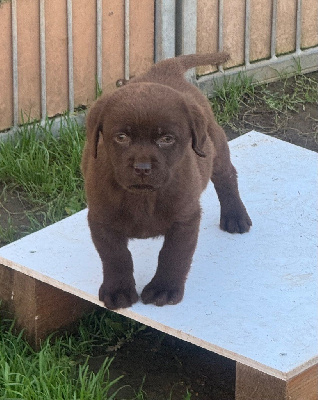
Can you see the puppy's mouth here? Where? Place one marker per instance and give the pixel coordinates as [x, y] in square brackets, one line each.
[142, 187]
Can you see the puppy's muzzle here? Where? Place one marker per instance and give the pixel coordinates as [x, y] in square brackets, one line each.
[142, 169]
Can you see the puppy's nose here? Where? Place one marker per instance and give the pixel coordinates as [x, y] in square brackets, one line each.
[142, 169]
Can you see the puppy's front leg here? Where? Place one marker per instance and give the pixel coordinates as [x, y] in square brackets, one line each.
[175, 257]
[118, 287]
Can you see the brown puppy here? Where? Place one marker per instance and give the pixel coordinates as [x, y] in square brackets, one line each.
[152, 147]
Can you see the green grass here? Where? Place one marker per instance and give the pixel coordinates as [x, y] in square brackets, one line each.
[45, 168]
[8, 234]
[45, 172]
[238, 95]
[51, 373]
[60, 369]
[229, 98]
[293, 92]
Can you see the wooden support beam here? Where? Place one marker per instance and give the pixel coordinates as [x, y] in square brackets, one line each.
[37, 307]
[304, 386]
[252, 384]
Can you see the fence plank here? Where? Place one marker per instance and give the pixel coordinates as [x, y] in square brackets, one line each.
[141, 35]
[234, 18]
[113, 43]
[260, 29]
[85, 53]
[28, 55]
[207, 30]
[309, 34]
[286, 26]
[56, 57]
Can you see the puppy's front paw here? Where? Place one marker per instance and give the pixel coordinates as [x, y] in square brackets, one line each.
[118, 297]
[162, 294]
[235, 221]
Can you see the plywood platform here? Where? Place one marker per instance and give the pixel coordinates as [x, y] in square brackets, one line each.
[251, 298]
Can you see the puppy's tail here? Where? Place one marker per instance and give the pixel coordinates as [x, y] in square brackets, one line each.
[166, 71]
[194, 60]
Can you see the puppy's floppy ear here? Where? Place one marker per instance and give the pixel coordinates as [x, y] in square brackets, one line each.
[94, 125]
[198, 128]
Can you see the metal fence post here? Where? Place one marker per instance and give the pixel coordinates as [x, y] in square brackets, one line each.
[15, 81]
[186, 28]
[43, 59]
[127, 40]
[70, 55]
[99, 45]
[165, 34]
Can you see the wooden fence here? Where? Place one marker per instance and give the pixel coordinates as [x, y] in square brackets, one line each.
[56, 55]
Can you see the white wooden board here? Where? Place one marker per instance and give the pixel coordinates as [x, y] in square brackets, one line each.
[252, 297]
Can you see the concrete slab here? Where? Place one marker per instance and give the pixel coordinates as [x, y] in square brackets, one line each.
[252, 297]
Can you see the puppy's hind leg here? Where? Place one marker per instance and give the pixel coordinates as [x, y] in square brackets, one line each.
[234, 217]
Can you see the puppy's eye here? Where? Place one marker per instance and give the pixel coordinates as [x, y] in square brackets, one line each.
[122, 138]
[165, 141]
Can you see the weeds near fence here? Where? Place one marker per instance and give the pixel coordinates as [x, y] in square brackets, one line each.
[228, 98]
[45, 170]
[238, 97]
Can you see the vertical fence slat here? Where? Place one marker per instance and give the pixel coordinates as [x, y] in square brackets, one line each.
[186, 30]
[127, 40]
[247, 33]
[15, 62]
[298, 26]
[186, 27]
[274, 29]
[42, 59]
[220, 29]
[99, 44]
[165, 29]
[70, 55]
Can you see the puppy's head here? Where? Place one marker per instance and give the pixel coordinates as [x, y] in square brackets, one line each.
[147, 130]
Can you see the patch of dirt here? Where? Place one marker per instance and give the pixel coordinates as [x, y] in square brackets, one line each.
[171, 366]
[13, 220]
[298, 126]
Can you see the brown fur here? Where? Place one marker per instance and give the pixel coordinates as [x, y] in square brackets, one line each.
[152, 146]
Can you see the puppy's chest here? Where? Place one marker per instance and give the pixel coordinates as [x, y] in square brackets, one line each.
[143, 216]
